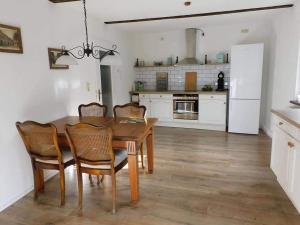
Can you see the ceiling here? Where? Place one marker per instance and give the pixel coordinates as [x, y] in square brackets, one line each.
[110, 10]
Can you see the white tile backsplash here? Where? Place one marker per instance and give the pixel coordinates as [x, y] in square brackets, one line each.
[207, 75]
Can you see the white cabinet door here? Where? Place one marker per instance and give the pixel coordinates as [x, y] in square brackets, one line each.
[280, 157]
[162, 109]
[212, 111]
[294, 171]
[147, 104]
[278, 145]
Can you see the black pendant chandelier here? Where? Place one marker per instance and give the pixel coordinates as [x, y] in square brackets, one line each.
[87, 49]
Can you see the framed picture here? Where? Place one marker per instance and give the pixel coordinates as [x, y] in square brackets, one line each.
[10, 39]
[54, 54]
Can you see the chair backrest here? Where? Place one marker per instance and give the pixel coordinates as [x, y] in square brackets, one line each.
[90, 144]
[130, 110]
[92, 109]
[40, 139]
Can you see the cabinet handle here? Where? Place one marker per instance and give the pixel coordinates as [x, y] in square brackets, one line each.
[280, 123]
[291, 145]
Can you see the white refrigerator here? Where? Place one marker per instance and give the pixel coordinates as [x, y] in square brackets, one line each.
[245, 88]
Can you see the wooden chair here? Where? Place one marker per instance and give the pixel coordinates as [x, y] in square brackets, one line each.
[97, 110]
[92, 149]
[42, 146]
[92, 109]
[132, 110]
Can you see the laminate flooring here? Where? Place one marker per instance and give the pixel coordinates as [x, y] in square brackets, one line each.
[200, 178]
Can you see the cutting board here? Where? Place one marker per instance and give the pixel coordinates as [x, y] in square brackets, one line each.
[191, 81]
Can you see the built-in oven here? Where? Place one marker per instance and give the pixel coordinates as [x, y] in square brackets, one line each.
[185, 106]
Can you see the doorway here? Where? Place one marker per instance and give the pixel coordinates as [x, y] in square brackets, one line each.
[106, 88]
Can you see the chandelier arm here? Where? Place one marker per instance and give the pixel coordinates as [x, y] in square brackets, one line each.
[115, 51]
[104, 55]
[76, 57]
[114, 47]
[80, 52]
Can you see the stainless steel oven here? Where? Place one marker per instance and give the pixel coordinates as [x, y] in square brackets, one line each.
[185, 106]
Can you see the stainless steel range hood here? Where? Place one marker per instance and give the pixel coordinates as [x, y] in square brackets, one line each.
[191, 45]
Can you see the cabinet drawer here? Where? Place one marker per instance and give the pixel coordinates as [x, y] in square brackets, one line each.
[161, 96]
[287, 127]
[218, 97]
[144, 96]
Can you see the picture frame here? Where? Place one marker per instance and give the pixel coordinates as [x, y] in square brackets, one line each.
[10, 39]
[53, 54]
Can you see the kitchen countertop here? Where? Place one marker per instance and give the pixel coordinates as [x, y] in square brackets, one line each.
[180, 92]
[291, 115]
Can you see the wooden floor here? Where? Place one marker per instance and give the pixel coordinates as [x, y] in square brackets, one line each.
[200, 177]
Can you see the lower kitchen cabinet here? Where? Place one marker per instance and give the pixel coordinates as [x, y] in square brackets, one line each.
[162, 109]
[280, 157]
[212, 109]
[285, 158]
[158, 106]
[294, 171]
[147, 104]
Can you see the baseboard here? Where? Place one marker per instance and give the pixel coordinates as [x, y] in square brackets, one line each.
[25, 192]
[267, 131]
[192, 125]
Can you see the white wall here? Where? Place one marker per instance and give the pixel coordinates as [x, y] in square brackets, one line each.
[284, 62]
[30, 90]
[160, 45]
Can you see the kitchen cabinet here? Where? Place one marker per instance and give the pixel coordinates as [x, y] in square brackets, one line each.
[285, 158]
[145, 101]
[294, 171]
[158, 105]
[162, 109]
[279, 159]
[212, 109]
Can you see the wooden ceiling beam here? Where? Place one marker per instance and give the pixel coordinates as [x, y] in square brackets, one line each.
[202, 14]
[61, 1]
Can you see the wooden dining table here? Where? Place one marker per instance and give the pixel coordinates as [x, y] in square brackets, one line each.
[127, 135]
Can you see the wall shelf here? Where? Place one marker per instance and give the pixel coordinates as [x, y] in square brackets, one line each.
[213, 64]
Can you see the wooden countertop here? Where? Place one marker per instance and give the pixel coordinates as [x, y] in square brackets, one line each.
[181, 92]
[291, 115]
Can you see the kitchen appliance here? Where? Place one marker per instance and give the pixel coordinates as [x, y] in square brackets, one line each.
[191, 47]
[185, 106]
[161, 81]
[245, 88]
[221, 83]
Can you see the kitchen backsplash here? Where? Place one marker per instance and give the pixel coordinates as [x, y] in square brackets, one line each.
[206, 75]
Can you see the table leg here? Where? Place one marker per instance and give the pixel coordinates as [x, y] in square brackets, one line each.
[150, 151]
[133, 170]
